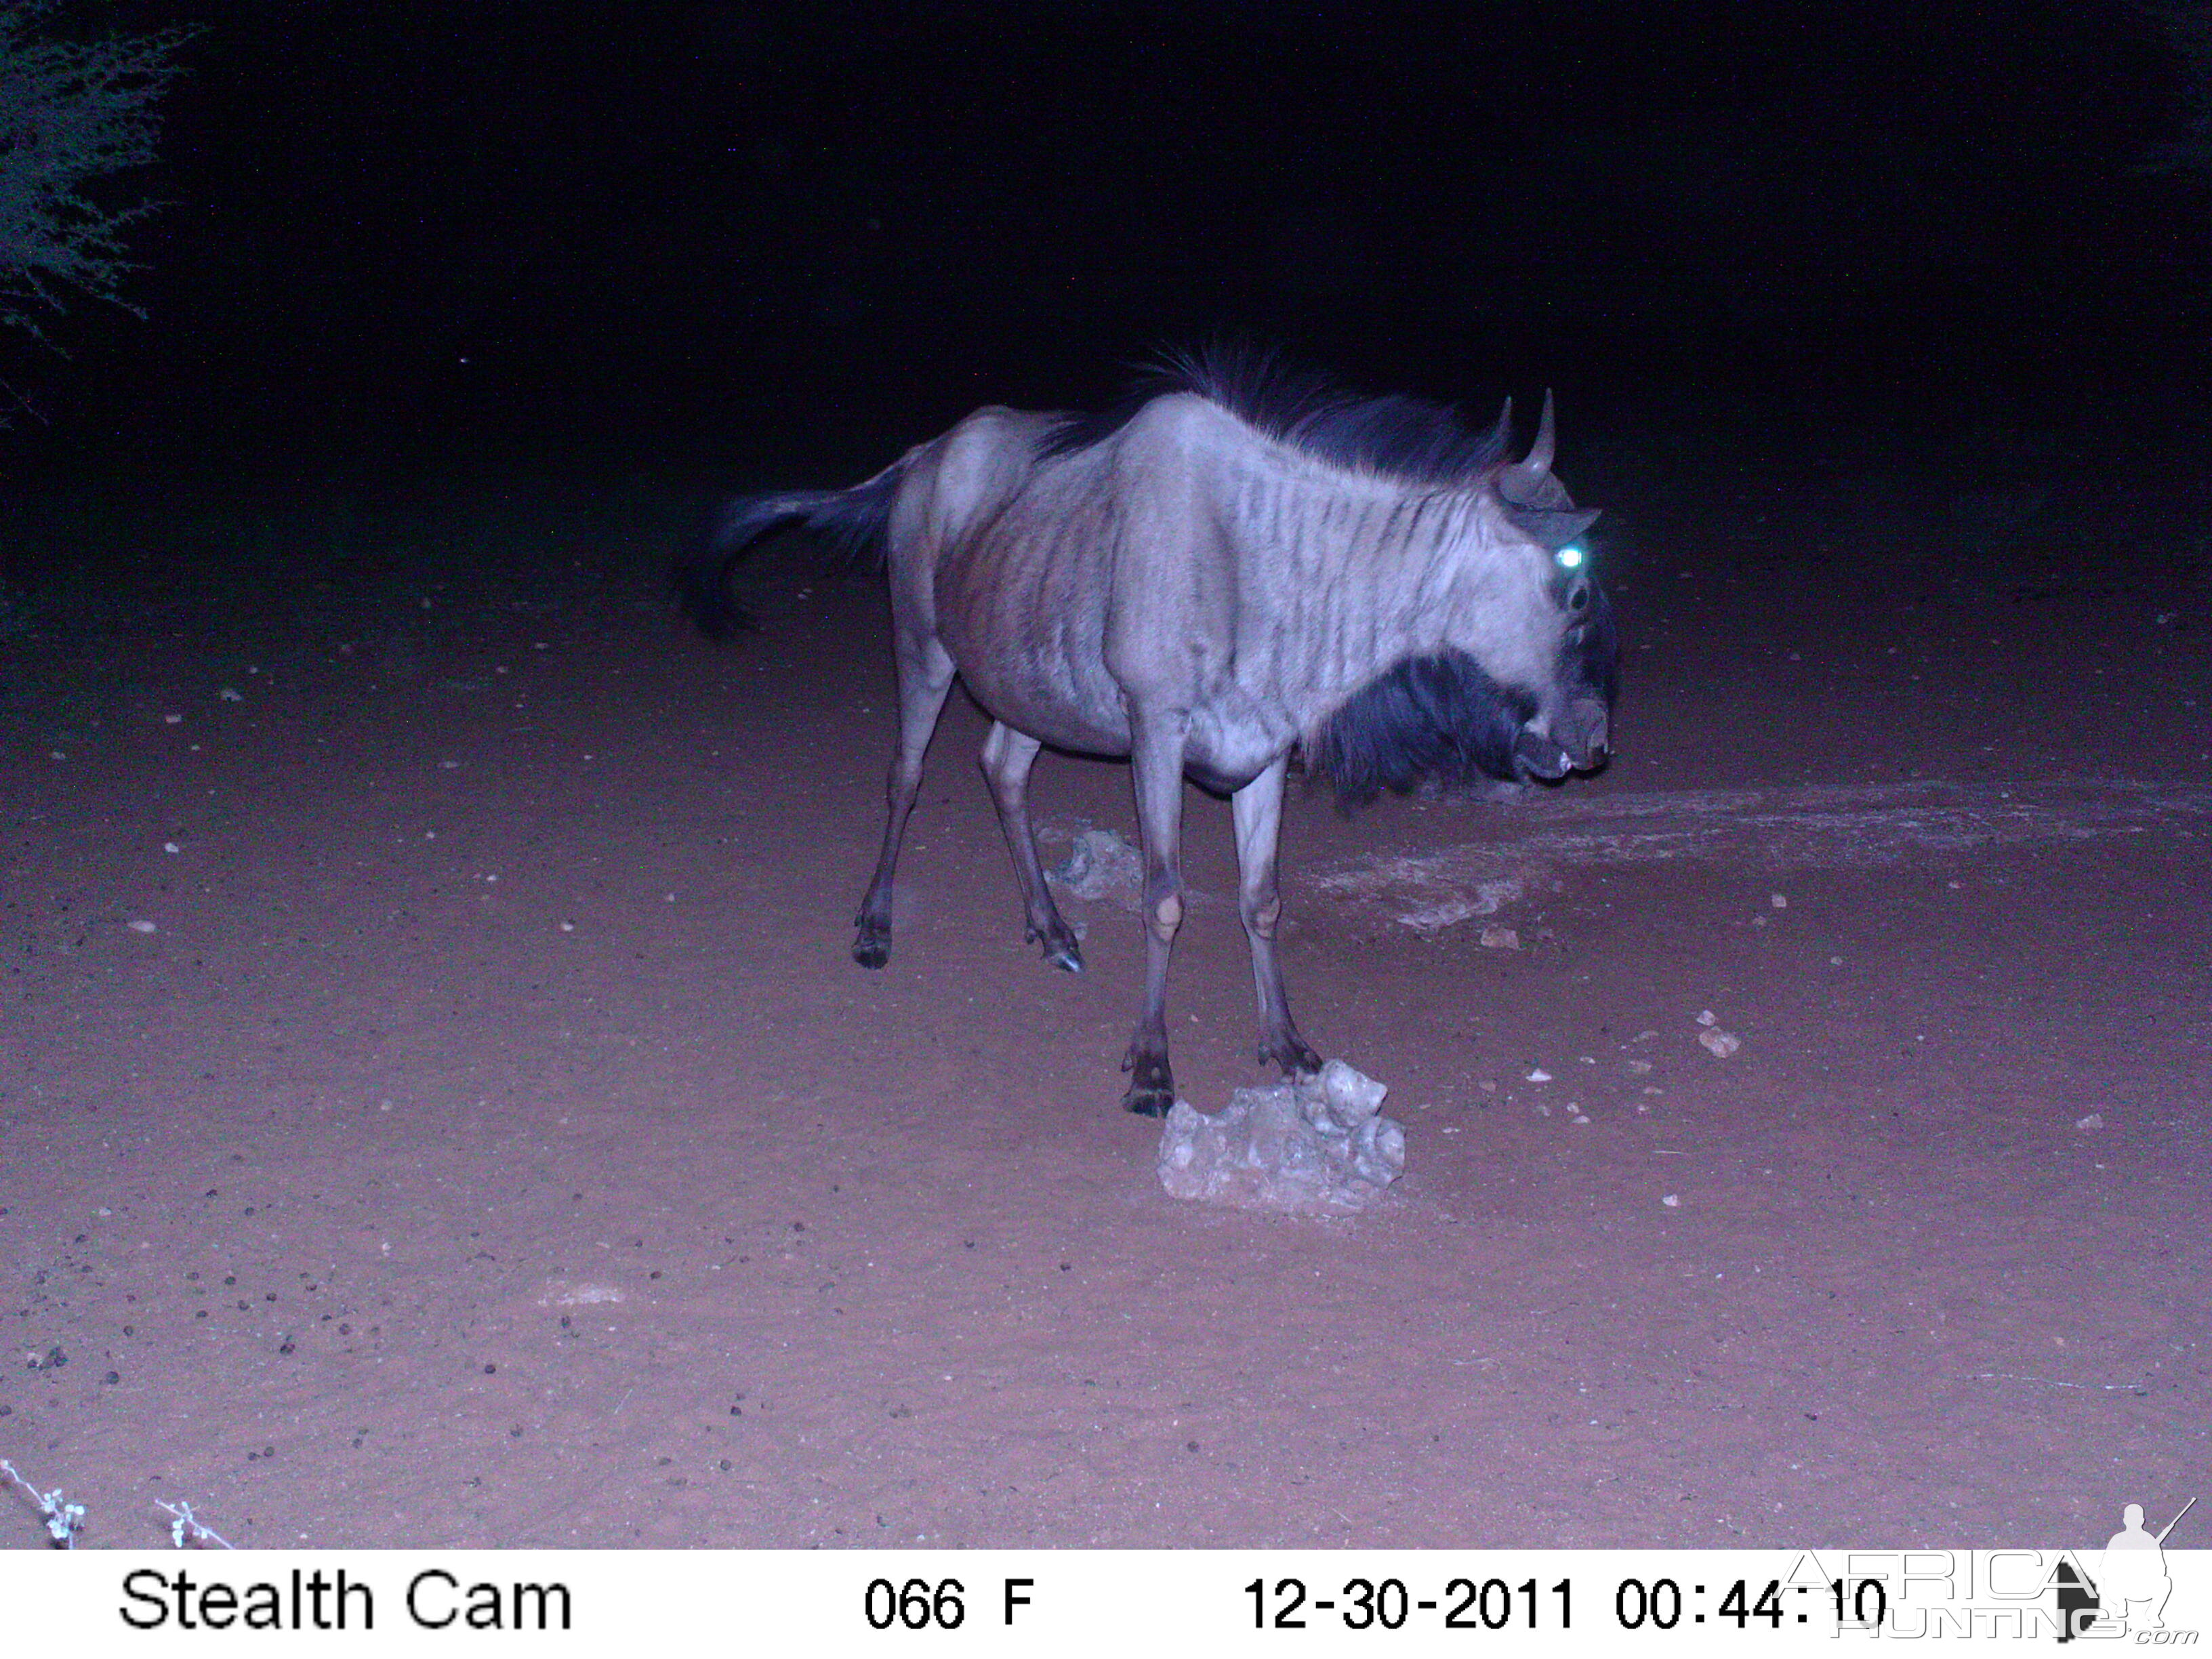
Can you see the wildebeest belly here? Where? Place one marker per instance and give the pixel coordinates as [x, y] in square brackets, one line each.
[1028, 648]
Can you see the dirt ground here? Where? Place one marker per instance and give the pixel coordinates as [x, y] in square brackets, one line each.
[437, 1107]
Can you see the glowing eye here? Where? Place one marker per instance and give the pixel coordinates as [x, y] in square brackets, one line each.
[1570, 558]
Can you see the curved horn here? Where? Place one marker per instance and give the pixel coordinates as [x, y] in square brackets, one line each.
[1501, 435]
[1538, 461]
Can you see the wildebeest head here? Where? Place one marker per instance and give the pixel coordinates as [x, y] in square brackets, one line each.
[1569, 730]
[1529, 693]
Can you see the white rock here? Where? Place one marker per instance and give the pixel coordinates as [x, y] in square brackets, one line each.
[1317, 1146]
[1708, 1018]
[1719, 1044]
[2094, 1120]
[1101, 864]
[143, 927]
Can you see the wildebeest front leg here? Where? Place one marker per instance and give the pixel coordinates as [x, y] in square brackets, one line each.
[924, 676]
[1007, 757]
[1157, 762]
[1257, 809]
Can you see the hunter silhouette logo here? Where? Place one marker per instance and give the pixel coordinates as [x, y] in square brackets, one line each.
[2131, 1585]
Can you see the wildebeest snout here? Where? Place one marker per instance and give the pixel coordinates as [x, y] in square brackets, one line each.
[1577, 742]
[1586, 734]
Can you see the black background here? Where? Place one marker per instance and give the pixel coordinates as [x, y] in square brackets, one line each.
[735, 239]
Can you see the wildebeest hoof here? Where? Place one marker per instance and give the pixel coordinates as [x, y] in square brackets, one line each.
[871, 950]
[1148, 1100]
[1292, 1054]
[1061, 950]
[1152, 1087]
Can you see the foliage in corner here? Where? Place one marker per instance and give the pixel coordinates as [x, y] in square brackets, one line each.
[71, 113]
[2188, 27]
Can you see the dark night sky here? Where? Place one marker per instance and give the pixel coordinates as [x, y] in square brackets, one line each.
[735, 235]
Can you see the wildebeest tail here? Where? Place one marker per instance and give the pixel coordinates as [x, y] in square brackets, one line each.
[852, 521]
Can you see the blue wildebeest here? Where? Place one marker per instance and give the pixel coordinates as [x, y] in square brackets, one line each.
[1233, 569]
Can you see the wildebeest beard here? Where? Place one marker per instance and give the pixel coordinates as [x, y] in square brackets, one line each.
[1439, 717]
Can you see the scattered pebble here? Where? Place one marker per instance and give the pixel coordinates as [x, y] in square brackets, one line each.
[1708, 1018]
[171, 847]
[1779, 900]
[143, 927]
[231, 694]
[1539, 1075]
[1639, 1067]
[1719, 1044]
[1501, 938]
[173, 719]
[2094, 1120]
[1673, 1201]
[568, 926]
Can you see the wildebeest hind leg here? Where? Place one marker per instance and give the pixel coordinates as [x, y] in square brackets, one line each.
[1257, 809]
[924, 676]
[1157, 762]
[1007, 757]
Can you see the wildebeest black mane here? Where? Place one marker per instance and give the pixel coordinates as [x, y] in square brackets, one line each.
[1400, 437]
[1436, 717]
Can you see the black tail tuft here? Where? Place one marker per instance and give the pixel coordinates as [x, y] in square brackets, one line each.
[853, 522]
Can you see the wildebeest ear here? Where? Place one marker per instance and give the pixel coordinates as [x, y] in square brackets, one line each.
[1550, 526]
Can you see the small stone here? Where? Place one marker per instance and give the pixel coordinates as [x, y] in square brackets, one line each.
[1779, 900]
[1500, 939]
[1539, 1075]
[1673, 1201]
[2094, 1120]
[143, 927]
[230, 694]
[1708, 1018]
[1719, 1044]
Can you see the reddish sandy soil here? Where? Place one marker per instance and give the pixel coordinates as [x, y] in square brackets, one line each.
[491, 1143]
